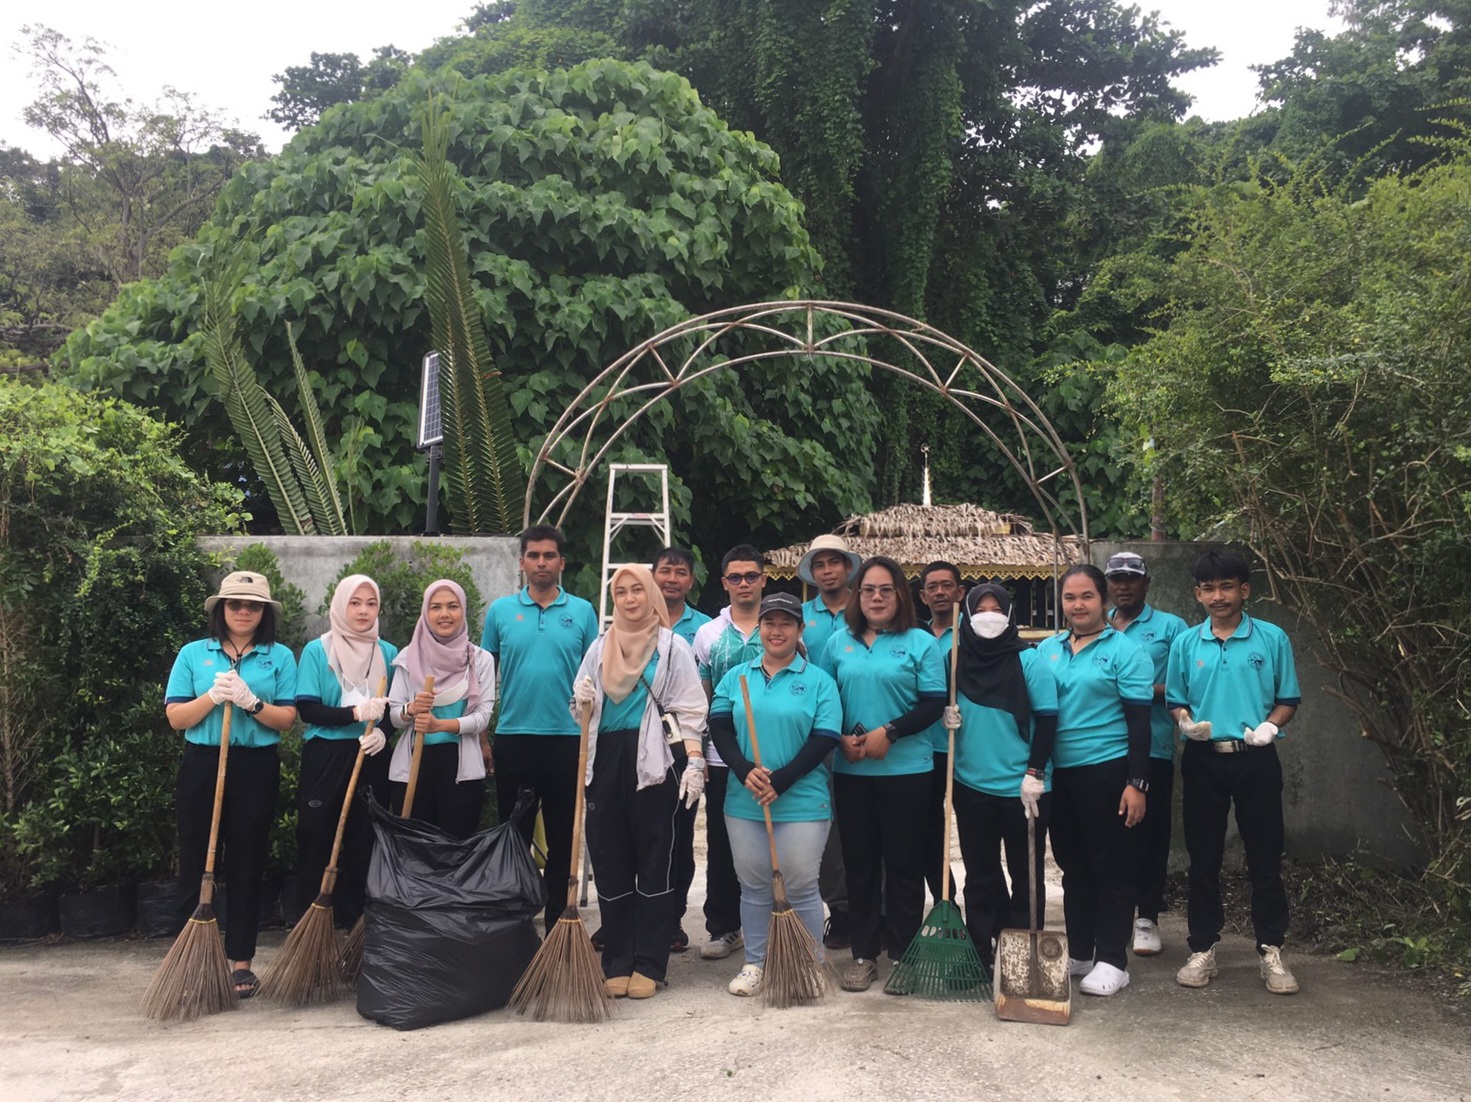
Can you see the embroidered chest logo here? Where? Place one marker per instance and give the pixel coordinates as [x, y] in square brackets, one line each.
[1102, 661]
[897, 652]
[1256, 660]
[566, 622]
[519, 617]
[797, 688]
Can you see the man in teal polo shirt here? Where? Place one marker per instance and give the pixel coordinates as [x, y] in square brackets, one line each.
[940, 591]
[1232, 687]
[1152, 631]
[538, 636]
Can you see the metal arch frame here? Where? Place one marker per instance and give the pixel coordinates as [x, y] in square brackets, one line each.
[583, 417]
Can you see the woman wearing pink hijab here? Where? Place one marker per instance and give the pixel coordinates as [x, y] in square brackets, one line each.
[641, 682]
[454, 717]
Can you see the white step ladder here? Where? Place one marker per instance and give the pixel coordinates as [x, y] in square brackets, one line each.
[615, 522]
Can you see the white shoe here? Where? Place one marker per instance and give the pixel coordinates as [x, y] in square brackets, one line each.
[1279, 980]
[718, 948]
[1198, 970]
[1105, 979]
[1146, 938]
[748, 981]
[1076, 967]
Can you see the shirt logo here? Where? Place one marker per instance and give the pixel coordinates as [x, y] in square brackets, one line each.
[848, 649]
[897, 652]
[519, 617]
[1102, 661]
[1200, 663]
[1148, 635]
[797, 688]
[264, 664]
[209, 661]
[566, 622]
[1256, 660]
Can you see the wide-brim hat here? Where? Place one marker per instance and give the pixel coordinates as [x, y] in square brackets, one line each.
[827, 542]
[243, 585]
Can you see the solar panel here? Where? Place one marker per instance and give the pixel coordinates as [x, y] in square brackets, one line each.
[431, 420]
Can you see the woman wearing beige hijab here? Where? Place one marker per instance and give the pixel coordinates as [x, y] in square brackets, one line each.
[643, 687]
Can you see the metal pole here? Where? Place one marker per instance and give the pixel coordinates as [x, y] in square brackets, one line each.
[431, 508]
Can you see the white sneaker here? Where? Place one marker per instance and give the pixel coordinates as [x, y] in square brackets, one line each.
[748, 981]
[1279, 980]
[1146, 938]
[1076, 967]
[718, 948]
[1198, 970]
[1104, 979]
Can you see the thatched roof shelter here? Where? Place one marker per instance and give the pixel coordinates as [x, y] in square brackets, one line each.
[982, 543]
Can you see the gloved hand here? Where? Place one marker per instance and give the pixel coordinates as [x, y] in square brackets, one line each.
[1264, 734]
[950, 718]
[1032, 789]
[369, 710]
[584, 692]
[224, 687]
[1199, 732]
[373, 741]
[241, 696]
[692, 782]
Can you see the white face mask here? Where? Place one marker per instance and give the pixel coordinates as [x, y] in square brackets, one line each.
[989, 625]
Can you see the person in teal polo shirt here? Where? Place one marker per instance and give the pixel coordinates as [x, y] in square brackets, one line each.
[1105, 686]
[891, 680]
[538, 636]
[240, 665]
[1152, 631]
[798, 722]
[940, 591]
[1232, 686]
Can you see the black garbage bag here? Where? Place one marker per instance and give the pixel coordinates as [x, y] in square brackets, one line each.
[449, 923]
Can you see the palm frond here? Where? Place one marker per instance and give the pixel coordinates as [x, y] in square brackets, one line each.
[308, 477]
[316, 436]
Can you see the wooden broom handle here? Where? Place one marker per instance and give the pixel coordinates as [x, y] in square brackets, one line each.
[950, 759]
[584, 722]
[329, 874]
[417, 758]
[756, 756]
[207, 889]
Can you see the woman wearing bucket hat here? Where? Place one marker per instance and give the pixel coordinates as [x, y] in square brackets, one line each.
[239, 664]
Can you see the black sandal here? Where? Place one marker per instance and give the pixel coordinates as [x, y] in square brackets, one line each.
[246, 982]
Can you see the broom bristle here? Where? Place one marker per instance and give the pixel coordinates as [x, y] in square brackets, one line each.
[194, 978]
[351, 961]
[794, 973]
[307, 970]
[941, 962]
[564, 981]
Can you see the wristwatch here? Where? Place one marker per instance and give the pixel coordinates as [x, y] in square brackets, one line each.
[1141, 783]
[259, 704]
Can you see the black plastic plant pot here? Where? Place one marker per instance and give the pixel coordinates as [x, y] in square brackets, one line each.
[98, 912]
[28, 917]
[164, 906]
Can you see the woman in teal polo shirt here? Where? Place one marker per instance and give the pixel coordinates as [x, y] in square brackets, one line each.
[240, 664]
[798, 722]
[891, 681]
[337, 691]
[1105, 689]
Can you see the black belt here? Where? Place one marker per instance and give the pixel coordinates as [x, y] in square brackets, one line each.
[1233, 746]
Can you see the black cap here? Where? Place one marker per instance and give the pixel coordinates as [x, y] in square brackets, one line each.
[1126, 564]
[781, 602]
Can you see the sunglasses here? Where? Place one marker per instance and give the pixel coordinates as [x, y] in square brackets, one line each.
[750, 578]
[243, 606]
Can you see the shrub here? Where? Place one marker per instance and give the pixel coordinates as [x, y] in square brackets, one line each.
[401, 582]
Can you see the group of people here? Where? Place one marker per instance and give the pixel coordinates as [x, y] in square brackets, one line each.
[830, 715]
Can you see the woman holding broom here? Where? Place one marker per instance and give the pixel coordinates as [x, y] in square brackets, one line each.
[644, 689]
[453, 717]
[798, 720]
[239, 665]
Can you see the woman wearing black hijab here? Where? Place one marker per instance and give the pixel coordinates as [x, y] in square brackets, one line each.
[1007, 703]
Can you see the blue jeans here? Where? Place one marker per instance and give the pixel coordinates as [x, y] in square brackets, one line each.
[799, 852]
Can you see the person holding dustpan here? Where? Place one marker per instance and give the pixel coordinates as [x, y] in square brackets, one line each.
[241, 666]
[453, 717]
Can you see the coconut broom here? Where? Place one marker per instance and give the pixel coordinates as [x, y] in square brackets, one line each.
[564, 981]
[351, 961]
[194, 977]
[793, 971]
[308, 969]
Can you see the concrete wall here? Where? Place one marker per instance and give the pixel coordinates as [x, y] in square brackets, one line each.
[313, 562]
[1338, 799]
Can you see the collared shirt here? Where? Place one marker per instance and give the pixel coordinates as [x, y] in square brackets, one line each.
[1092, 688]
[627, 714]
[879, 683]
[270, 672]
[719, 645]
[990, 753]
[935, 732]
[316, 682]
[690, 622]
[1152, 631]
[537, 651]
[796, 703]
[819, 626]
[1232, 683]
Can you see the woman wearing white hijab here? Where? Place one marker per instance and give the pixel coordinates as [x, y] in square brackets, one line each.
[637, 677]
[454, 717]
[337, 691]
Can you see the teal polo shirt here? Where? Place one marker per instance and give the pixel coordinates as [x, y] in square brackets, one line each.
[444, 711]
[1232, 683]
[270, 672]
[537, 651]
[797, 703]
[1152, 631]
[315, 681]
[880, 683]
[935, 732]
[628, 713]
[691, 622]
[1092, 688]
[990, 753]
[819, 625]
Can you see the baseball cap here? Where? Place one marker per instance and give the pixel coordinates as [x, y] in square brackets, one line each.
[781, 602]
[1125, 564]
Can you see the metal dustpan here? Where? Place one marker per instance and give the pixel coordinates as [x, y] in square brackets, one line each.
[1032, 980]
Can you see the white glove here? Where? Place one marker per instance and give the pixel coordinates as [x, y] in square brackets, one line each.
[692, 782]
[371, 709]
[950, 718]
[372, 742]
[1199, 732]
[240, 694]
[224, 687]
[1032, 789]
[584, 692]
[1262, 735]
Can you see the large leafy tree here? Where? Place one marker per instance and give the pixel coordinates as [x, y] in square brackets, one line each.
[329, 79]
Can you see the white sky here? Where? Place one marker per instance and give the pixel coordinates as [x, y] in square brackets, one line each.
[226, 54]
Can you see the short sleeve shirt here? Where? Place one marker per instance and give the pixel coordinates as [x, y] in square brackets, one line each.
[1152, 631]
[990, 753]
[689, 623]
[537, 651]
[1232, 683]
[315, 681]
[935, 732]
[879, 683]
[719, 645]
[270, 672]
[819, 625]
[1092, 688]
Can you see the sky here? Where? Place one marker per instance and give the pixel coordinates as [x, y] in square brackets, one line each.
[225, 55]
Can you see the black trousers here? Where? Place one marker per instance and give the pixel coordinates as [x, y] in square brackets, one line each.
[1099, 858]
[630, 838]
[935, 857]
[546, 764]
[684, 847]
[1157, 827]
[722, 886]
[252, 780]
[326, 766]
[452, 806]
[987, 823]
[882, 821]
[1213, 782]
